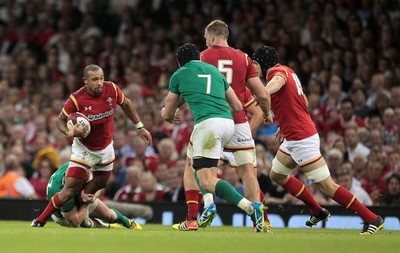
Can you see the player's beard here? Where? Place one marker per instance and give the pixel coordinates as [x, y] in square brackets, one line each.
[97, 90]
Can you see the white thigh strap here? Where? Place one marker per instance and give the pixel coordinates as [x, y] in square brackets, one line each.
[244, 156]
[318, 174]
[279, 168]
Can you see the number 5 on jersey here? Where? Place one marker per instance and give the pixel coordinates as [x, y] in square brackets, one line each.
[228, 71]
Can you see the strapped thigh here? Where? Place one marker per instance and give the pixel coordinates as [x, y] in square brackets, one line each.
[318, 174]
[203, 162]
[279, 168]
[245, 156]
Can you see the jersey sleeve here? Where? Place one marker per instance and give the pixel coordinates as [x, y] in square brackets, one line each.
[251, 70]
[120, 96]
[174, 84]
[248, 98]
[70, 106]
[277, 71]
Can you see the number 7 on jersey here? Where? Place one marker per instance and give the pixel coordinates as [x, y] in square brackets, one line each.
[208, 76]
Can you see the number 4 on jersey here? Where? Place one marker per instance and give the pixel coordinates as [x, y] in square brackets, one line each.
[298, 84]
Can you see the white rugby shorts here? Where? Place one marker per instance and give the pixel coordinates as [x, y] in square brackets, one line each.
[96, 160]
[242, 138]
[302, 151]
[209, 137]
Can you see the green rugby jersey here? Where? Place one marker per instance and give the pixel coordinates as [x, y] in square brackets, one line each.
[203, 87]
[55, 184]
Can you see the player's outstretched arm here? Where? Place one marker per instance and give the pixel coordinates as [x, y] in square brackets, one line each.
[132, 114]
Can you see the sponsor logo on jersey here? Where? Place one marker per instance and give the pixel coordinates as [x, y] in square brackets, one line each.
[100, 115]
[243, 139]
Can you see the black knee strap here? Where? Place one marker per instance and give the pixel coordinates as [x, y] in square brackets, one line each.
[199, 163]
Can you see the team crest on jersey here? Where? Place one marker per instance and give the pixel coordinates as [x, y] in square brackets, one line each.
[109, 100]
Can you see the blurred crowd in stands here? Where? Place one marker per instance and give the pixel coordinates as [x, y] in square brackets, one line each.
[345, 52]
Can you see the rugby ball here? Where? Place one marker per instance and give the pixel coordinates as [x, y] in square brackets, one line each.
[81, 120]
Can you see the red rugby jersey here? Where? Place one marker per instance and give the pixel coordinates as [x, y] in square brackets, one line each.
[237, 67]
[100, 112]
[290, 107]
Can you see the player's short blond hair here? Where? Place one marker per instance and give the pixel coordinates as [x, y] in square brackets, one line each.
[218, 28]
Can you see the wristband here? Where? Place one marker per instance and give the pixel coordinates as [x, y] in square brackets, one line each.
[139, 125]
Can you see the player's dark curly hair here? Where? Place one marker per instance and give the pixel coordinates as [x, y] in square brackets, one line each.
[266, 57]
[186, 53]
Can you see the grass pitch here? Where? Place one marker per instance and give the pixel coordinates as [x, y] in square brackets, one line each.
[19, 237]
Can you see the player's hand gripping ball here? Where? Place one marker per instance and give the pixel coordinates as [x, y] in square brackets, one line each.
[81, 121]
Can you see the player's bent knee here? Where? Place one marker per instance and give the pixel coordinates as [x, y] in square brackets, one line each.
[244, 157]
[279, 168]
[318, 174]
[203, 162]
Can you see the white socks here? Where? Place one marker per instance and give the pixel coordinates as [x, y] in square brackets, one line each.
[208, 199]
